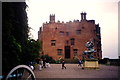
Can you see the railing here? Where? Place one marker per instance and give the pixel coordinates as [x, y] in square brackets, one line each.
[21, 72]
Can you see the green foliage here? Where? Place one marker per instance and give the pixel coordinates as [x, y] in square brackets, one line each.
[14, 34]
[11, 53]
[32, 49]
[48, 58]
[16, 47]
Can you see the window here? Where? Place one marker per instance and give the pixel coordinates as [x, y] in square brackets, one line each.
[67, 33]
[53, 42]
[72, 41]
[59, 51]
[75, 52]
[61, 33]
[56, 28]
[78, 32]
[83, 27]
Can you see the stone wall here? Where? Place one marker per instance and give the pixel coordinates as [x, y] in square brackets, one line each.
[57, 35]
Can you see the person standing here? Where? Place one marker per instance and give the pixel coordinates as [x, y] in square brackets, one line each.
[80, 63]
[40, 64]
[44, 63]
[47, 63]
[63, 64]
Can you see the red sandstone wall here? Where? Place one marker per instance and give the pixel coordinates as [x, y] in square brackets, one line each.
[51, 32]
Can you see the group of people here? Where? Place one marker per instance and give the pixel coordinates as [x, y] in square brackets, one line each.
[43, 63]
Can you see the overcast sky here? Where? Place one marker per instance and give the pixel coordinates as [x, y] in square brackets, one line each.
[104, 12]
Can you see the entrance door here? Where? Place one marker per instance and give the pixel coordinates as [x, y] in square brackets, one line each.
[67, 51]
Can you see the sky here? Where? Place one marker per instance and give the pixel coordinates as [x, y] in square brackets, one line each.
[104, 12]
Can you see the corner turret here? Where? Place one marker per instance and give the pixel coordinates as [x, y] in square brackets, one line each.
[52, 17]
[83, 16]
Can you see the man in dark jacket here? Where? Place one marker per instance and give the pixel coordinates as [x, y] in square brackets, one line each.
[63, 64]
[44, 63]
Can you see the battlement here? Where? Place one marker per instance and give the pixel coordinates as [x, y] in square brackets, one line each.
[83, 18]
[92, 21]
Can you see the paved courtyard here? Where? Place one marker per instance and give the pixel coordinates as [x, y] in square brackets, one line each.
[74, 71]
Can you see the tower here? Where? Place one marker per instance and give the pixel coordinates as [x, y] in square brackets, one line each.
[83, 16]
[52, 17]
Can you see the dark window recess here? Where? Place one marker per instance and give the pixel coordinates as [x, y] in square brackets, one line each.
[67, 33]
[78, 32]
[53, 42]
[83, 27]
[72, 41]
[59, 51]
[75, 52]
[61, 33]
[56, 28]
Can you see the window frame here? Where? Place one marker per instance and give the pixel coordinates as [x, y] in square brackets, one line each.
[59, 51]
[67, 33]
[72, 41]
[75, 51]
[78, 32]
[53, 42]
[61, 33]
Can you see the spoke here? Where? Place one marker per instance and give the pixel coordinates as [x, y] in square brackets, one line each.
[29, 76]
[27, 73]
[23, 73]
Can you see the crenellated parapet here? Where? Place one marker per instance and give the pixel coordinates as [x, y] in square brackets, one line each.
[83, 18]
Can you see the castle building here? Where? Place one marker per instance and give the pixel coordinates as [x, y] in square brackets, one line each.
[67, 40]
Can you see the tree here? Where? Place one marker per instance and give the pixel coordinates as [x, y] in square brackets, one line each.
[32, 50]
[48, 58]
[17, 48]
[14, 34]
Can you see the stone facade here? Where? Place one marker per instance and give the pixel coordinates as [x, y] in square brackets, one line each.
[67, 40]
